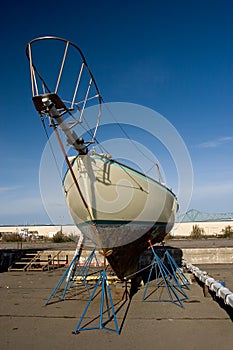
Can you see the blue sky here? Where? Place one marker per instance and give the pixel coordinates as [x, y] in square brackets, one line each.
[175, 57]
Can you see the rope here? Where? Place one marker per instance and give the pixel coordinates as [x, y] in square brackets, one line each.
[145, 268]
[137, 272]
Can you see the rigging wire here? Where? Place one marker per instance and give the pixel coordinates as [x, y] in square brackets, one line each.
[68, 164]
[127, 135]
[88, 130]
[51, 148]
[129, 138]
[121, 166]
[103, 149]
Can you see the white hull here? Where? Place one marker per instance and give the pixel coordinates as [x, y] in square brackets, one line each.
[119, 209]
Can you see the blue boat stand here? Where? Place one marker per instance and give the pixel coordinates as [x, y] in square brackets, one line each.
[168, 278]
[106, 307]
[106, 302]
[71, 273]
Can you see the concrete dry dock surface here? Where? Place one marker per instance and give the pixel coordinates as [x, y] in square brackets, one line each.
[25, 323]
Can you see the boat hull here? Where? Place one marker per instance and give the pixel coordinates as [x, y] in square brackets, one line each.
[119, 209]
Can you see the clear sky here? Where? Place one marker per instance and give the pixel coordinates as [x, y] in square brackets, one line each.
[175, 57]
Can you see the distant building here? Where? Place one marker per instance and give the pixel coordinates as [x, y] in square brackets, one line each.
[40, 230]
[184, 229]
[212, 223]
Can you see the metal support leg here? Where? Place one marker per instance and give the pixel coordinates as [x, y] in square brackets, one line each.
[83, 271]
[176, 271]
[106, 306]
[70, 275]
[64, 276]
[166, 280]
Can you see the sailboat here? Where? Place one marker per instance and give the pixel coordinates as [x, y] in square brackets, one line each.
[115, 205]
